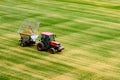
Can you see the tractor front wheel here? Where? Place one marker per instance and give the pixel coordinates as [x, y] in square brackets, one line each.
[59, 50]
[52, 50]
[40, 46]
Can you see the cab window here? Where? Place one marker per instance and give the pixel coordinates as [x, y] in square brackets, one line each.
[51, 38]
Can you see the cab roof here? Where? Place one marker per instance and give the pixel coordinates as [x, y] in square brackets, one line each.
[47, 33]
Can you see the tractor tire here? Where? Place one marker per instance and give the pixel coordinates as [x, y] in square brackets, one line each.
[59, 50]
[52, 50]
[40, 46]
[22, 44]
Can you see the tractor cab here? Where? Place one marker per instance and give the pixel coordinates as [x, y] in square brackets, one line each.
[48, 39]
[48, 36]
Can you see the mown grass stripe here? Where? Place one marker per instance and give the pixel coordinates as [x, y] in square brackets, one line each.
[17, 72]
[107, 19]
[28, 60]
[89, 32]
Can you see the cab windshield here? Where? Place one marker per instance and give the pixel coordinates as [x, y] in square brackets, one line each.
[52, 38]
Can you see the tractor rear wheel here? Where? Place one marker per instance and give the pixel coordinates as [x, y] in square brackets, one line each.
[52, 50]
[40, 46]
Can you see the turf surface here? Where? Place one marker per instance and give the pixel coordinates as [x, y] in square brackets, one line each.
[88, 29]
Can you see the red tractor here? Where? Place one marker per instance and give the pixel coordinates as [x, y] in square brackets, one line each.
[48, 43]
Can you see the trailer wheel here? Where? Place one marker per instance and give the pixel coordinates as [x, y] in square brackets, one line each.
[22, 44]
[40, 46]
[52, 50]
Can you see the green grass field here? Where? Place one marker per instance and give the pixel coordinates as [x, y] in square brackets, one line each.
[88, 29]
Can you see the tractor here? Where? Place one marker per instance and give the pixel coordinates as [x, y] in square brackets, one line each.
[48, 43]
